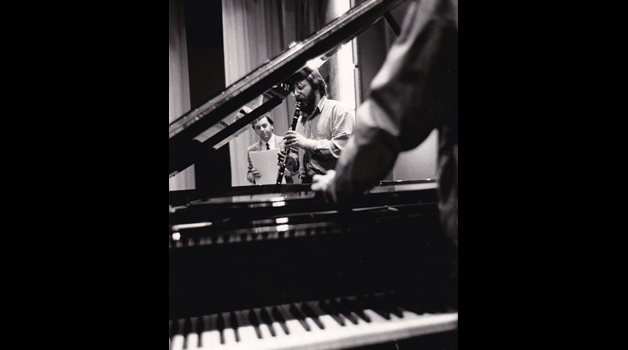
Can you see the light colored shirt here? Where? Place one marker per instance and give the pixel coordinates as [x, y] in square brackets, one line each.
[330, 125]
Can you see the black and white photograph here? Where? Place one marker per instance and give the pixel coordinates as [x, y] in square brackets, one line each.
[313, 174]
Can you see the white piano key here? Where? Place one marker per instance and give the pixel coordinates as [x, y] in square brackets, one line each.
[248, 337]
[191, 341]
[278, 317]
[299, 338]
[331, 326]
[265, 332]
[296, 329]
[229, 337]
[375, 317]
[210, 340]
[278, 327]
[410, 315]
[382, 330]
[311, 315]
[314, 328]
[281, 339]
[177, 342]
[333, 336]
[266, 342]
[333, 330]
[430, 323]
[315, 335]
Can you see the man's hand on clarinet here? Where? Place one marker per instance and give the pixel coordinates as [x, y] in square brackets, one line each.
[281, 156]
[294, 139]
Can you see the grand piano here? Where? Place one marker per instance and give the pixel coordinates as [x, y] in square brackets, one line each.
[280, 266]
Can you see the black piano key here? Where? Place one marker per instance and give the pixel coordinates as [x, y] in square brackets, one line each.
[181, 326]
[171, 329]
[200, 324]
[205, 324]
[309, 312]
[386, 304]
[342, 310]
[297, 314]
[398, 311]
[194, 324]
[220, 325]
[355, 307]
[190, 242]
[393, 304]
[382, 305]
[327, 309]
[254, 319]
[233, 323]
[349, 308]
[211, 322]
[276, 315]
[314, 305]
[184, 330]
[266, 319]
[187, 326]
[362, 304]
[413, 303]
[377, 305]
[200, 328]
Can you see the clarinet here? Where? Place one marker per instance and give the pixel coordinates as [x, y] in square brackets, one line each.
[282, 167]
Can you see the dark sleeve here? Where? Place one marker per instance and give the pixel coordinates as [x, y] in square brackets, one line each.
[413, 92]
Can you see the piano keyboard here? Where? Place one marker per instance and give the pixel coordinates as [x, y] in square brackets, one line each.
[327, 324]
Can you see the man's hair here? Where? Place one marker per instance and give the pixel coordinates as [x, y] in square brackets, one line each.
[267, 116]
[316, 80]
[245, 110]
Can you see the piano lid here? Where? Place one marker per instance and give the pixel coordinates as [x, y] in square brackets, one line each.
[272, 79]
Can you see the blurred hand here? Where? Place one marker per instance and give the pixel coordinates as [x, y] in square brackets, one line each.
[321, 182]
[256, 173]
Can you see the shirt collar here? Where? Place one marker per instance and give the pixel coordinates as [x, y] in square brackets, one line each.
[319, 106]
[271, 141]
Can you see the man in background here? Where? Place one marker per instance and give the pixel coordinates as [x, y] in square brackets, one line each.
[268, 140]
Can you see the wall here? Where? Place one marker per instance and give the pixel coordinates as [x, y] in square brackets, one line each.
[178, 83]
[419, 163]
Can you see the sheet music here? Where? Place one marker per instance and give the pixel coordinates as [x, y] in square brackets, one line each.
[266, 163]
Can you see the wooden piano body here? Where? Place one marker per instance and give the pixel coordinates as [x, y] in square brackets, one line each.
[280, 267]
